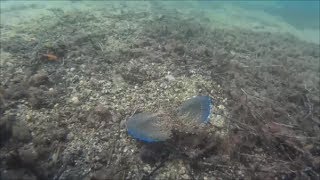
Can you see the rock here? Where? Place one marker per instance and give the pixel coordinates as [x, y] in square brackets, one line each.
[20, 132]
[153, 153]
[179, 49]
[182, 170]
[6, 128]
[16, 91]
[185, 176]
[316, 164]
[75, 100]
[169, 77]
[70, 157]
[41, 78]
[51, 91]
[17, 174]
[28, 154]
[102, 111]
[107, 173]
[61, 134]
[73, 173]
[12, 160]
[147, 168]
[70, 136]
[98, 115]
[38, 98]
[100, 175]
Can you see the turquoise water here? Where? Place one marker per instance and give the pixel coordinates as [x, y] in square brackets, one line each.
[302, 14]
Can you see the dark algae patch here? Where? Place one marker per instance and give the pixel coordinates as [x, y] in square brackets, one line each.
[66, 118]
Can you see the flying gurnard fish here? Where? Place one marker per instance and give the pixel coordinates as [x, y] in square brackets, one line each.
[157, 127]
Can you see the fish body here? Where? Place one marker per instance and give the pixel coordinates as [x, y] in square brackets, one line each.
[50, 57]
[157, 127]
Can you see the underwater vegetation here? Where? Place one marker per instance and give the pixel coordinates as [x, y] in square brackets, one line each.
[155, 127]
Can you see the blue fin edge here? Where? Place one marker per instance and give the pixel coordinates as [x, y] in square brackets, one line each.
[208, 111]
[140, 137]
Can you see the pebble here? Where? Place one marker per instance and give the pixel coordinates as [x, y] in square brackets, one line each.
[240, 173]
[182, 170]
[169, 77]
[221, 107]
[185, 176]
[75, 100]
[125, 149]
[82, 82]
[147, 168]
[28, 117]
[51, 92]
